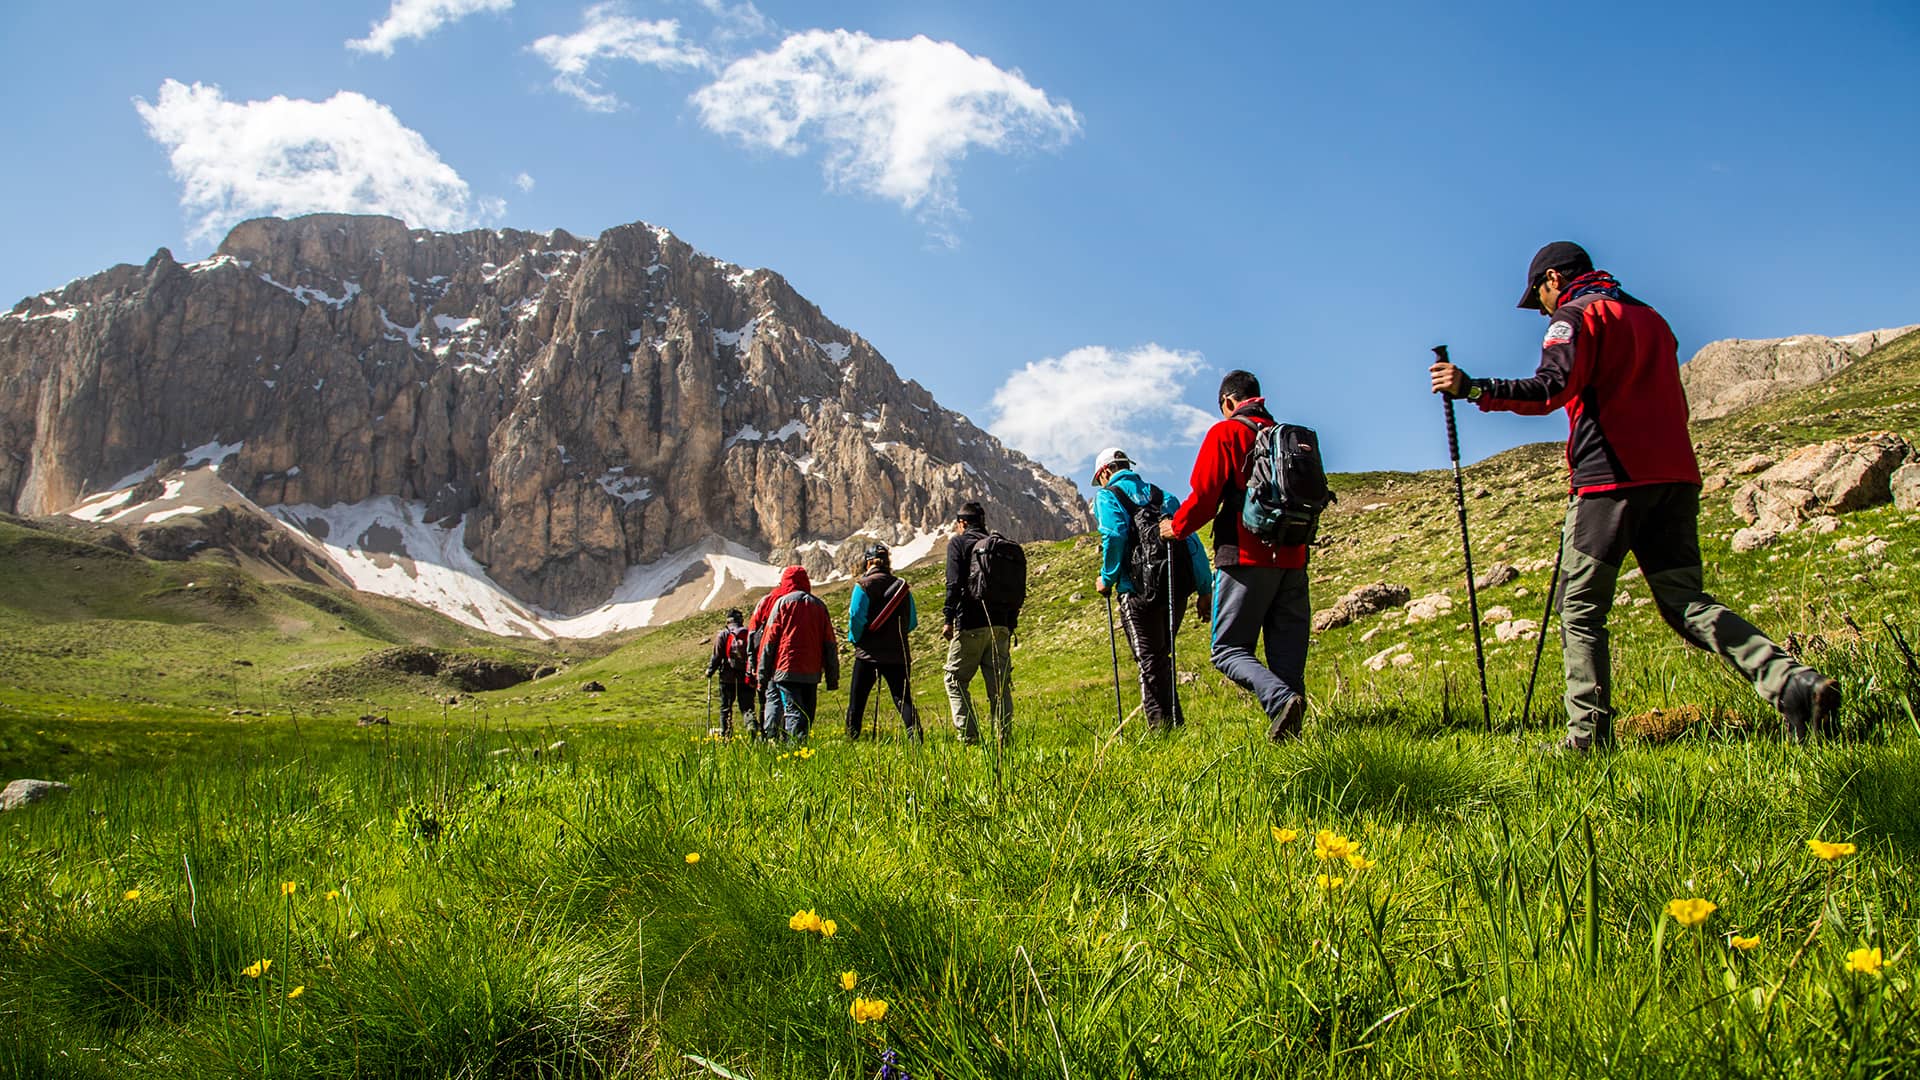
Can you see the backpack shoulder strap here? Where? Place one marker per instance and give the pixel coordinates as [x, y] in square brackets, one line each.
[1125, 503]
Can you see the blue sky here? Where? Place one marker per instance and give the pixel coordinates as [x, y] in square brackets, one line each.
[1065, 219]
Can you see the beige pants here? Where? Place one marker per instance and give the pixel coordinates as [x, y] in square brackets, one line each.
[989, 651]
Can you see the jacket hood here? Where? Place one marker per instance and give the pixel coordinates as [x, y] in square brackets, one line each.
[1129, 483]
[794, 579]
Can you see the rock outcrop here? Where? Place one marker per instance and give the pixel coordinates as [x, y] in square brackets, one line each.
[1725, 376]
[1359, 603]
[576, 408]
[1815, 482]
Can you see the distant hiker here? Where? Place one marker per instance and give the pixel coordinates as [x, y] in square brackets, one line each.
[1614, 364]
[1154, 577]
[731, 660]
[797, 650]
[1260, 589]
[880, 615]
[767, 722]
[986, 584]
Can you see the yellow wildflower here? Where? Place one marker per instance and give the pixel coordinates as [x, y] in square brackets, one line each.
[1359, 861]
[1329, 883]
[863, 1009]
[1830, 852]
[828, 928]
[287, 887]
[692, 857]
[803, 753]
[333, 894]
[130, 894]
[1284, 836]
[1329, 845]
[848, 980]
[1691, 913]
[1864, 961]
[256, 969]
[296, 992]
[804, 919]
[1742, 943]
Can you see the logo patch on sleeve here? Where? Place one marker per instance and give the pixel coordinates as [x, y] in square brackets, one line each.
[1558, 334]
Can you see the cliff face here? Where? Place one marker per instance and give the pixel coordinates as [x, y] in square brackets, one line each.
[1726, 376]
[577, 408]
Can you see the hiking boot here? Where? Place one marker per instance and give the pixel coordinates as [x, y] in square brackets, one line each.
[1292, 716]
[1575, 745]
[1811, 700]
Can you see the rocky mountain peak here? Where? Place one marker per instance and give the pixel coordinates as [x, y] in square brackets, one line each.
[580, 414]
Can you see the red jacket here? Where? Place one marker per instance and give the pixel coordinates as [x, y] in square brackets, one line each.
[1220, 488]
[798, 643]
[1612, 363]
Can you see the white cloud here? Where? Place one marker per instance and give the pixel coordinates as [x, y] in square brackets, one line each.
[894, 117]
[735, 21]
[1063, 411]
[348, 154]
[418, 18]
[524, 182]
[608, 34]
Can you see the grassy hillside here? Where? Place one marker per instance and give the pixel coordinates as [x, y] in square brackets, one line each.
[503, 884]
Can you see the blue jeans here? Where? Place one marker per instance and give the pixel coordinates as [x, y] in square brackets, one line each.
[1252, 601]
[797, 701]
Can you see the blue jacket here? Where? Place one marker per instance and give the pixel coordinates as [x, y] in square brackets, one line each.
[860, 607]
[1116, 525]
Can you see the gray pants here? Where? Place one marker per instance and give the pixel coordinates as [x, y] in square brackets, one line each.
[989, 651]
[1250, 602]
[1659, 524]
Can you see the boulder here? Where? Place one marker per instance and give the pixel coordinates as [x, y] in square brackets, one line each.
[1753, 538]
[593, 686]
[1498, 613]
[1365, 600]
[21, 793]
[1429, 607]
[1754, 464]
[1379, 661]
[1905, 485]
[1830, 477]
[1516, 630]
[1496, 575]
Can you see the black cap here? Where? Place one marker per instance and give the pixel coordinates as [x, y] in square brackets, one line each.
[972, 513]
[733, 615]
[877, 550]
[1562, 255]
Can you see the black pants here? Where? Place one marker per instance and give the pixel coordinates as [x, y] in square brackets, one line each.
[732, 692]
[1150, 628]
[865, 674]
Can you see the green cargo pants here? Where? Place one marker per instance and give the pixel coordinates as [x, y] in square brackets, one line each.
[1660, 525]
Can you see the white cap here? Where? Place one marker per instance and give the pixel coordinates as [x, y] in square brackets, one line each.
[1108, 458]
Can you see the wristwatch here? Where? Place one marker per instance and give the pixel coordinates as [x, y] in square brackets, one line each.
[1475, 390]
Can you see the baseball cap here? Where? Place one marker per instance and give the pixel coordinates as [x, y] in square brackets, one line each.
[1108, 458]
[1562, 255]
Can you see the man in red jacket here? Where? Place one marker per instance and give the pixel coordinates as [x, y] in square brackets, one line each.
[1260, 589]
[1613, 364]
[797, 648]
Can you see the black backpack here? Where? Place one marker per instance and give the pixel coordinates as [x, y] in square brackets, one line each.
[1286, 484]
[1148, 556]
[997, 574]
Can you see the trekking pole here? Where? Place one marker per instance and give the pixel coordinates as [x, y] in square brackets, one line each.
[1113, 644]
[1173, 643]
[709, 702]
[1546, 619]
[1466, 548]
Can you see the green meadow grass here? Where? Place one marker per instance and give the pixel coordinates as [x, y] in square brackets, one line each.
[498, 884]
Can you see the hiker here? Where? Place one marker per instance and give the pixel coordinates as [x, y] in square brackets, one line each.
[979, 633]
[1260, 589]
[766, 716]
[730, 661]
[797, 650]
[880, 614]
[1150, 611]
[1613, 363]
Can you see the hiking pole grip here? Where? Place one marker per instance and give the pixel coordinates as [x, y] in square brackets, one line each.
[1453, 433]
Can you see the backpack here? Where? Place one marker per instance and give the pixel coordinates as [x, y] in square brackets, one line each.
[1286, 484]
[734, 650]
[997, 574]
[1148, 556]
